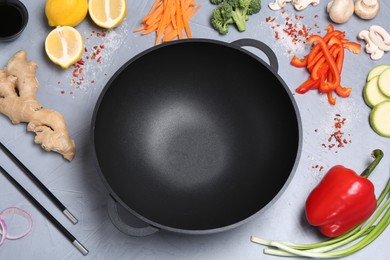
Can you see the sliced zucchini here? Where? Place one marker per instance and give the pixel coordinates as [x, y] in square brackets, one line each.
[380, 118]
[371, 93]
[375, 71]
[384, 82]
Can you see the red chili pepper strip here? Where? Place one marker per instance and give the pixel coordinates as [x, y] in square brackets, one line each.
[342, 200]
[352, 47]
[337, 50]
[329, 28]
[316, 49]
[320, 57]
[343, 92]
[299, 63]
[332, 65]
[319, 69]
[307, 85]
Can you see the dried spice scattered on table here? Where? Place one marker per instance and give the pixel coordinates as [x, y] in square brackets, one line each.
[337, 138]
[291, 30]
[92, 53]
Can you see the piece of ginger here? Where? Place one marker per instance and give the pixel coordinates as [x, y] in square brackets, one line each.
[18, 87]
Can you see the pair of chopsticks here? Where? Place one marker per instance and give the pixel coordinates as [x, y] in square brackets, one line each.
[39, 206]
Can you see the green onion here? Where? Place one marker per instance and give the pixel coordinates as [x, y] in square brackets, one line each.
[354, 240]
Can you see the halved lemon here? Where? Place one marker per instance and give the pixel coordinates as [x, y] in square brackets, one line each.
[107, 13]
[64, 46]
[66, 12]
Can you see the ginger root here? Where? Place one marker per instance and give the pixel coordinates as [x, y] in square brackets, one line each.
[18, 87]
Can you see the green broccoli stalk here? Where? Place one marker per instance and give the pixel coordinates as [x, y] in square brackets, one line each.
[233, 11]
[240, 13]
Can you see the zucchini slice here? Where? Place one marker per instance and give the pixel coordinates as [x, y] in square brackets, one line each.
[371, 93]
[384, 82]
[375, 71]
[380, 118]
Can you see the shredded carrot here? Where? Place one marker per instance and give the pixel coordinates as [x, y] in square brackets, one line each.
[324, 62]
[169, 19]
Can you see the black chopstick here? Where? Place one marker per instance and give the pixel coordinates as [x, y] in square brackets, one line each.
[58, 203]
[46, 213]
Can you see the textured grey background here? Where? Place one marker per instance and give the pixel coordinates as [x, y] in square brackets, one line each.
[78, 185]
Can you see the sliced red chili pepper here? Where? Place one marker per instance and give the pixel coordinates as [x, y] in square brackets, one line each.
[337, 50]
[297, 62]
[315, 61]
[343, 92]
[316, 49]
[318, 68]
[307, 85]
[329, 28]
[332, 65]
[352, 47]
[331, 99]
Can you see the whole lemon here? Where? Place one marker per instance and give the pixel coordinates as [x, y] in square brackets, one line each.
[66, 12]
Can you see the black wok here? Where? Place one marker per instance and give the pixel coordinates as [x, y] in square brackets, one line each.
[195, 136]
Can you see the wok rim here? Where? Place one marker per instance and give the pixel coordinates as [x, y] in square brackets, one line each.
[117, 199]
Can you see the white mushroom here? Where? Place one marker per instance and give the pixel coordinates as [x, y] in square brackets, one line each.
[380, 37]
[371, 48]
[278, 4]
[302, 4]
[367, 9]
[340, 11]
[378, 54]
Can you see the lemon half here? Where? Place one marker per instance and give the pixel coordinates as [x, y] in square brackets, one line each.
[66, 12]
[64, 46]
[107, 13]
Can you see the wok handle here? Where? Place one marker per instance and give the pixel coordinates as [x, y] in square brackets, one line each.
[126, 227]
[273, 60]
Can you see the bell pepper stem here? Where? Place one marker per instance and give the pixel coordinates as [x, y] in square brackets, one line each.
[378, 155]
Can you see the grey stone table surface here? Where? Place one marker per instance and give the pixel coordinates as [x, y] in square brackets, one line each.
[78, 185]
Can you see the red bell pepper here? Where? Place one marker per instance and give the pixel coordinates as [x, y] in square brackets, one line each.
[342, 200]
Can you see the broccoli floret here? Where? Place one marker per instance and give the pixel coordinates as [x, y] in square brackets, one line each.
[216, 2]
[221, 18]
[254, 7]
[233, 11]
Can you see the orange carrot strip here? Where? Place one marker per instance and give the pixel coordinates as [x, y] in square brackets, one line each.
[169, 19]
[185, 20]
[155, 17]
[169, 34]
[156, 6]
[150, 29]
[173, 15]
[179, 19]
[164, 21]
[191, 11]
[140, 28]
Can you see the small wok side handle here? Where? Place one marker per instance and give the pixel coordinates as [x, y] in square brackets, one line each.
[124, 227]
[273, 60]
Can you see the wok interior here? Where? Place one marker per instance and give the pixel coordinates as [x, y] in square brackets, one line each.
[195, 136]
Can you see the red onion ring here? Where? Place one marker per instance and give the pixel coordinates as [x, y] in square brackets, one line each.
[18, 211]
[3, 231]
